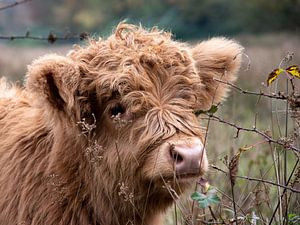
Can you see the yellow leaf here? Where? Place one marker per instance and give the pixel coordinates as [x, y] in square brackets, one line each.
[204, 184]
[245, 148]
[273, 75]
[293, 70]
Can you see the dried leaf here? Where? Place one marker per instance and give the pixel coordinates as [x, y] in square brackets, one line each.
[273, 75]
[234, 163]
[233, 167]
[296, 177]
[245, 148]
[294, 71]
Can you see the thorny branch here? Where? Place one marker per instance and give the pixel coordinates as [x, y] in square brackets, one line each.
[257, 179]
[279, 95]
[13, 4]
[283, 143]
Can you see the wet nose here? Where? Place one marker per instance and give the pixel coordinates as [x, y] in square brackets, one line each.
[188, 158]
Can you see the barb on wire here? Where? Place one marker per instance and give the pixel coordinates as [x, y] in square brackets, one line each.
[10, 5]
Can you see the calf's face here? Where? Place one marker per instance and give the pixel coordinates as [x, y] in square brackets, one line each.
[139, 91]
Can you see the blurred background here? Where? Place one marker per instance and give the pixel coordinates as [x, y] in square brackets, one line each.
[268, 29]
[270, 23]
[187, 19]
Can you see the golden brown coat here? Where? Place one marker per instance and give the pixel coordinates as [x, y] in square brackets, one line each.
[80, 144]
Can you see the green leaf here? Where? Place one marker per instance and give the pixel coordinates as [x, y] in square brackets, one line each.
[212, 110]
[293, 218]
[201, 199]
[204, 204]
[214, 199]
[212, 191]
[198, 196]
[208, 199]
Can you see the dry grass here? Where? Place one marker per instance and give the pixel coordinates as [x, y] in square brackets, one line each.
[262, 160]
[14, 59]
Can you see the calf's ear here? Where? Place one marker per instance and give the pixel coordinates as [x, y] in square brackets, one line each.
[53, 79]
[216, 59]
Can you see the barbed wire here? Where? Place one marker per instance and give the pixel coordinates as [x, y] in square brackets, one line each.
[51, 38]
[11, 5]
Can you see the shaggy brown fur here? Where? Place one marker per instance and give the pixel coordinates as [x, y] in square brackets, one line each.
[81, 143]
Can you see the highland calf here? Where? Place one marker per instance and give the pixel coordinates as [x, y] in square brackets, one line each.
[99, 137]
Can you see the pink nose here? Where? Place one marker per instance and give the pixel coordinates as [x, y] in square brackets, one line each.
[188, 158]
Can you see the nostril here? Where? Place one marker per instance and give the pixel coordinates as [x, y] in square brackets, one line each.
[186, 158]
[177, 158]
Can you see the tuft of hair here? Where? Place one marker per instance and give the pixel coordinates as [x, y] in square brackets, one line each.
[7, 91]
[217, 59]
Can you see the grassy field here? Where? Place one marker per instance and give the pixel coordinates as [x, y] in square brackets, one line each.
[254, 201]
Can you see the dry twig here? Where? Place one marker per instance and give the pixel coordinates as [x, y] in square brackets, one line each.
[280, 142]
[259, 180]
